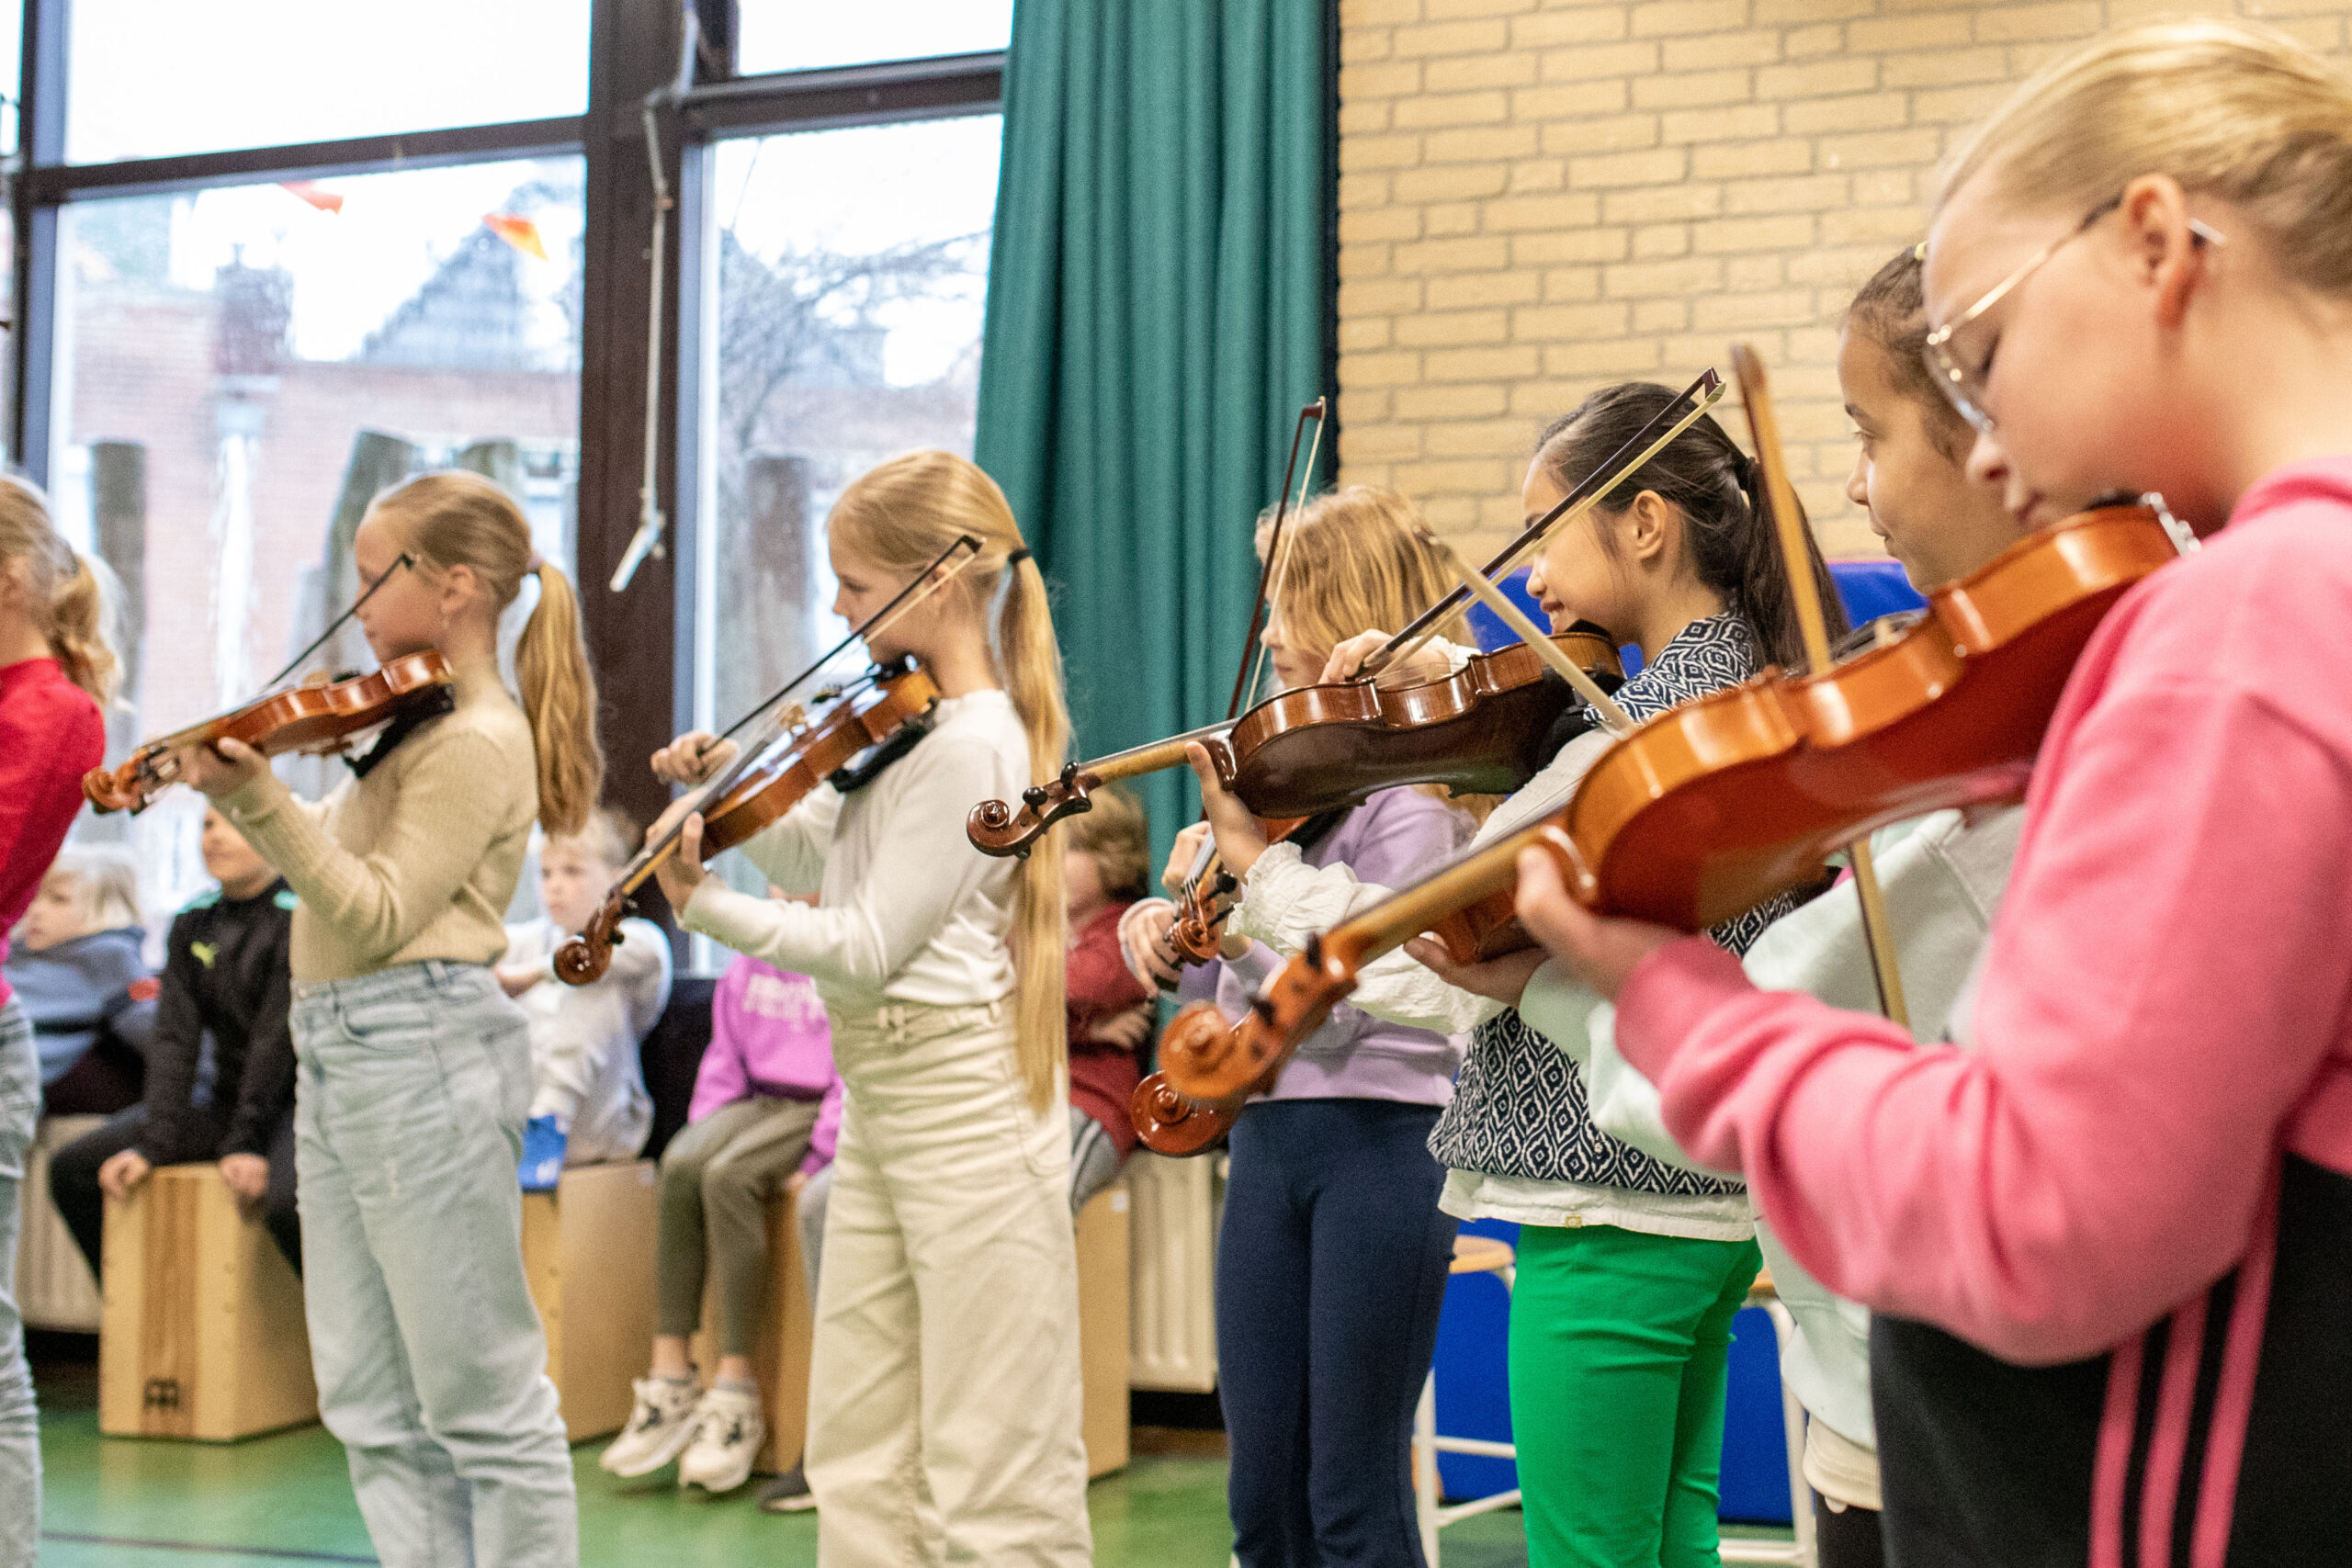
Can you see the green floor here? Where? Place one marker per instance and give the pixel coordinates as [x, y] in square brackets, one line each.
[113, 1503]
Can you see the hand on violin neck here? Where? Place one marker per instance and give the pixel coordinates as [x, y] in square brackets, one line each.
[1143, 933]
[1600, 950]
[1239, 841]
[1501, 979]
[680, 872]
[1184, 858]
[221, 767]
[692, 758]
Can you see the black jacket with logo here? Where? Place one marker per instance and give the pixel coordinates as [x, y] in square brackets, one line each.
[225, 974]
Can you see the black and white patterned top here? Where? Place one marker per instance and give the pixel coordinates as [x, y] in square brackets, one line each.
[1518, 1106]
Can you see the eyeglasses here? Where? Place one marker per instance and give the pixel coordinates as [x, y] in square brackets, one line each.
[1963, 384]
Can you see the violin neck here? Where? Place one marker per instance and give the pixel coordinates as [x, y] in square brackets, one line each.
[1159, 755]
[1407, 913]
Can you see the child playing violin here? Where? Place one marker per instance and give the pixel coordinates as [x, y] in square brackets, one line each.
[56, 672]
[948, 1235]
[413, 1068]
[1630, 1271]
[1943, 877]
[1332, 1259]
[2106, 1232]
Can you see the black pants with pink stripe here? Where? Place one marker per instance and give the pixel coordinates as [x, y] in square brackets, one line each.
[2221, 1438]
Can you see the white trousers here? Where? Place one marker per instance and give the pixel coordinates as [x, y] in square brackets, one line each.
[944, 1404]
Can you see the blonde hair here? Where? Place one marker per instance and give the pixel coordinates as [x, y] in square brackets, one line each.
[108, 879]
[1118, 835]
[457, 518]
[2226, 108]
[608, 835]
[1353, 560]
[71, 605]
[900, 516]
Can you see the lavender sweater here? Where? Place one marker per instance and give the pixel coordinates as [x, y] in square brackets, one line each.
[1391, 839]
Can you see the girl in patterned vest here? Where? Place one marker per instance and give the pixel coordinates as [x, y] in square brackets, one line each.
[1630, 1270]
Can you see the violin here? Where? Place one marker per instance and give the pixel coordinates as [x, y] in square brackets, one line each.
[1477, 731]
[1314, 748]
[760, 788]
[1712, 808]
[314, 718]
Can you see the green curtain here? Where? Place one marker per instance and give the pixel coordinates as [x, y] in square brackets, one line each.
[1157, 315]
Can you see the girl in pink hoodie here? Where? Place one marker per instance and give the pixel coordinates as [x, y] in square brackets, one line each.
[2107, 1229]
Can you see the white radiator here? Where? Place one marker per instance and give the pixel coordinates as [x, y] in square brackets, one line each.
[54, 1288]
[1177, 1205]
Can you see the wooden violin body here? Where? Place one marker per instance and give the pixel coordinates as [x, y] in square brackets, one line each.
[307, 718]
[1717, 804]
[1477, 731]
[811, 750]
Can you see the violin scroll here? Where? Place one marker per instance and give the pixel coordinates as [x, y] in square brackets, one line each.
[1205, 1058]
[1171, 1124]
[996, 829]
[126, 788]
[584, 960]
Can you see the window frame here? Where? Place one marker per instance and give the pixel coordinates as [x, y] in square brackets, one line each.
[642, 639]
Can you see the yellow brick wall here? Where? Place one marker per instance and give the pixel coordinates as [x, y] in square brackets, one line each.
[1540, 196]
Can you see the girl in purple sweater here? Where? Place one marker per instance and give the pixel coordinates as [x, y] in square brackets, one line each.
[1333, 1258]
[767, 1105]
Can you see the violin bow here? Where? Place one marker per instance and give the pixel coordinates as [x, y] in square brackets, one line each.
[403, 563]
[1595, 488]
[1764, 431]
[1270, 576]
[1613, 717]
[920, 587]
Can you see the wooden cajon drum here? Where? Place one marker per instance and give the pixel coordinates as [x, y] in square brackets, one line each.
[780, 1360]
[588, 1253]
[202, 1334]
[1102, 1309]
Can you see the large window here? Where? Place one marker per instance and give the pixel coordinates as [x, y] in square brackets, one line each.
[242, 368]
[851, 268]
[151, 78]
[274, 256]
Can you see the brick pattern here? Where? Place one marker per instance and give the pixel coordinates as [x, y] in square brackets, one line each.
[1540, 197]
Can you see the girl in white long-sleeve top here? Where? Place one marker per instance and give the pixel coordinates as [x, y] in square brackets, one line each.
[944, 1399]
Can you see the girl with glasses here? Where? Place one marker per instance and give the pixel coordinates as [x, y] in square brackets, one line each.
[2106, 1232]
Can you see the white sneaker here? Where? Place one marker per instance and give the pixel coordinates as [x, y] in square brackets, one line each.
[660, 1423]
[727, 1433]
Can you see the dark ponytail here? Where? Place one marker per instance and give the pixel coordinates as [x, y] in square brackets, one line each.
[1718, 490]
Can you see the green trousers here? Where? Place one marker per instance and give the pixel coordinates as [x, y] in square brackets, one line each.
[1619, 1345]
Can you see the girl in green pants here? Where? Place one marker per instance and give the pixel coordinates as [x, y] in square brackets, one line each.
[1630, 1268]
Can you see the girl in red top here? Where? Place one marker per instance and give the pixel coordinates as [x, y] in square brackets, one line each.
[1110, 1012]
[2106, 1232]
[55, 670]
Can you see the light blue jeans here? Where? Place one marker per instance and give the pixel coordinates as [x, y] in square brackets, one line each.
[20, 1418]
[432, 1366]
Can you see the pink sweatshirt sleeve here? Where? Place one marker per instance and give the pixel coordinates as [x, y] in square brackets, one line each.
[2165, 982]
[722, 1079]
[823, 1139]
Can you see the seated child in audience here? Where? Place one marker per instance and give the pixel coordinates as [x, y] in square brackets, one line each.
[225, 977]
[766, 1108]
[1110, 1010]
[588, 1099]
[76, 966]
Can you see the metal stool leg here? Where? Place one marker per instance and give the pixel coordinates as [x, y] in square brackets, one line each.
[1425, 1481]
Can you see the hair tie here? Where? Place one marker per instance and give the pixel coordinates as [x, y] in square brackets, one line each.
[535, 564]
[1017, 556]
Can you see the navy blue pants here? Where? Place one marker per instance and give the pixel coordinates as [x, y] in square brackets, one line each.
[1329, 1273]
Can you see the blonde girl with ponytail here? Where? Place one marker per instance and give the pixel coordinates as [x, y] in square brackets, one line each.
[2106, 1237]
[944, 1396]
[413, 1068]
[56, 672]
